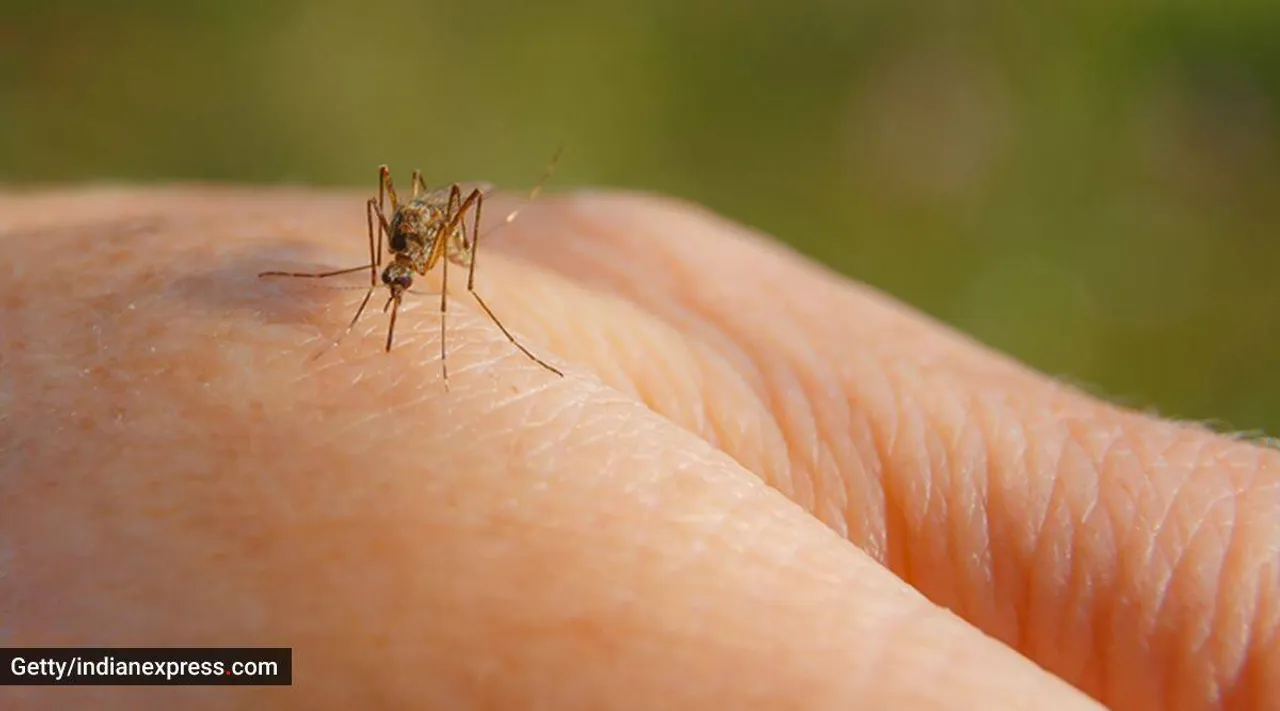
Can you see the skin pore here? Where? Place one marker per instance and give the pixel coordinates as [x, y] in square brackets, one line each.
[759, 485]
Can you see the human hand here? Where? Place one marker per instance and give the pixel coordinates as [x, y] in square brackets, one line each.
[734, 499]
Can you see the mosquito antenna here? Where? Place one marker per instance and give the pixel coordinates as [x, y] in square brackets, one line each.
[385, 184]
[363, 303]
[533, 195]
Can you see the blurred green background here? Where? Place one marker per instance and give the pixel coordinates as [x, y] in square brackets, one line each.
[1094, 188]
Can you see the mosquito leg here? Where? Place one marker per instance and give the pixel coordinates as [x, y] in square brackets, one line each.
[437, 249]
[455, 218]
[455, 201]
[471, 287]
[444, 310]
[318, 275]
[453, 244]
[384, 183]
[359, 311]
[475, 242]
[375, 253]
[363, 303]
[514, 341]
[384, 229]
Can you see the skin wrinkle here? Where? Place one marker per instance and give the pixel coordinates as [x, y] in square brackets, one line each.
[1267, 634]
[843, 507]
[1141, 564]
[667, 387]
[1045, 539]
[1233, 672]
[834, 506]
[1097, 542]
[806, 415]
[821, 423]
[1234, 659]
[674, 369]
[659, 286]
[1220, 661]
[788, 395]
[671, 290]
[867, 468]
[761, 446]
[824, 417]
[662, 384]
[891, 429]
[980, 437]
[731, 397]
[896, 502]
[1108, 456]
[939, 549]
[1003, 374]
[600, 346]
[864, 473]
[1012, 448]
[953, 421]
[1172, 542]
[973, 455]
[716, 431]
[830, 411]
[922, 461]
[1183, 589]
[913, 490]
[707, 331]
[1090, 539]
[1130, 626]
[941, 466]
[971, 539]
[1212, 534]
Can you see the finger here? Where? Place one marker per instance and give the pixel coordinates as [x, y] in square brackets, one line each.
[179, 477]
[1137, 558]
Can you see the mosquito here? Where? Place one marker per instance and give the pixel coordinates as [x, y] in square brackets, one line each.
[429, 229]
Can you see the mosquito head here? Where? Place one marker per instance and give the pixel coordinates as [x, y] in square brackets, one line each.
[398, 278]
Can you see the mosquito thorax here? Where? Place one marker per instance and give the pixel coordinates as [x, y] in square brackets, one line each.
[413, 227]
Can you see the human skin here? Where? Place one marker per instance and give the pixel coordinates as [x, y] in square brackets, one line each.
[758, 485]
